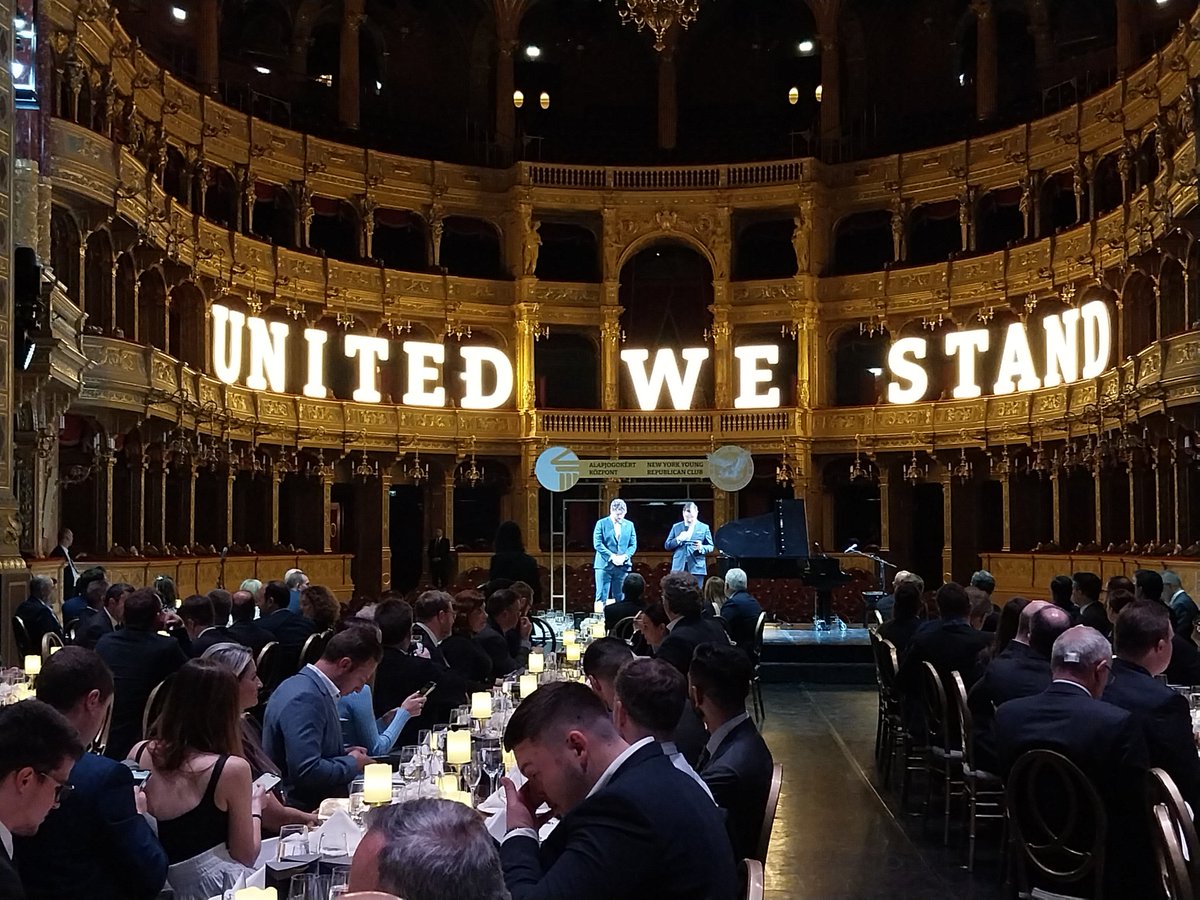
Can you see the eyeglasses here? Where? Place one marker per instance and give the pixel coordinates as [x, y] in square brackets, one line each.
[62, 788]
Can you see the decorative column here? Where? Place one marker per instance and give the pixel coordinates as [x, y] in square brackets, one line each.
[610, 355]
[106, 461]
[527, 329]
[668, 92]
[448, 503]
[1006, 504]
[188, 517]
[526, 511]
[722, 352]
[1099, 496]
[885, 516]
[277, 474]
[1159, 530]
[348, 68]
[1056, 508]
[208, 51]
[1127, 36]
[327, 511]
[947, 520]
[230, 484]
[137, 499]
[385, 527]
[985, 60]
[156, 502]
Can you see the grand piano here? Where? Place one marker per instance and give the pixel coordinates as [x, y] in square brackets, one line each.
[775, 545]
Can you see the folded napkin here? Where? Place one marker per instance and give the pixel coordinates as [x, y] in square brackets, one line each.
[339, 830]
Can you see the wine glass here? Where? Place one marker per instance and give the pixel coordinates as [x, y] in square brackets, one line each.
[492, 760]
[412, 766]
[293, 842]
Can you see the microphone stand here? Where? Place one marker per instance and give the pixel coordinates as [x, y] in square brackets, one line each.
[880, 565]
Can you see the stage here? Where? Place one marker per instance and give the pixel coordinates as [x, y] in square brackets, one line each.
[800, 653]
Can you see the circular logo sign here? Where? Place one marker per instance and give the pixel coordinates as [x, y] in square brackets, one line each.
[557, 469]
[730, 468]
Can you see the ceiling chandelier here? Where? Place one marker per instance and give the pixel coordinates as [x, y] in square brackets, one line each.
[659, 16]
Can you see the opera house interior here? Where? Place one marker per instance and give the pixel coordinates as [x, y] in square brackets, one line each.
[878, 287]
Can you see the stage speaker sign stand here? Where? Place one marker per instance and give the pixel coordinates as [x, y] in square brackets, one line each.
[559, 469]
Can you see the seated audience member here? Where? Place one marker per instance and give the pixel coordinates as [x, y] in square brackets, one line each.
[290, 629]
[1183, 608]
[1086, 596]
[1062, 593]
[1184, 664]
[650, 629]
[632, 602]
[218, 632]
[950, 643]
[37, 614]
[77, 606]
[1007, 626]
[886, 604]
[649, 699]
[139, 659]
[245, 630]
[296, 582]
[1142, 643]
[459, 649]
[38, 749]
[433, 620]
[301, 731]
[1103, 740]
[601, 661]
[906, 617]
[196, 611]
[513, 635]
[980, 616]
[428, 850]
[251, 586]
[740, 610]
[985, 581]
[631, 825]
[736, 764]
[319, 606]
[239, 660]
[1148, 585]
[222, 601]
[503, 611]
[199, 790]
[108, 619]
[114, 854]
[713, 591]
[93, 596]
[1021, 670]
[687, 629]
[360, 728]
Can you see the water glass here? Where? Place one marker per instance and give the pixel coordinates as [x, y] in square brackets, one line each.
[293, 842]
[309, 887]
[492, 760]
[411, 763]
[333, 843]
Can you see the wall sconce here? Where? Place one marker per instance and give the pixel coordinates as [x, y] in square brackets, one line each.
[817, 93]
[544, 100]
[793, 95]
[518, 99]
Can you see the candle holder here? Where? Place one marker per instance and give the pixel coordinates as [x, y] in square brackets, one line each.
[458, 748]
[536, 664]
[528, 684]
[377, 784]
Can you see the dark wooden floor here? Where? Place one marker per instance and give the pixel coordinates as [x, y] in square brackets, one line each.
[838, 832]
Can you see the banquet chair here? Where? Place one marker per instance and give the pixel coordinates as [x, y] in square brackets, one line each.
[100, 742]
[21, 636]
[270, 664]
[1163, 791]
[154, 705]
[768, 825]
[756, 696]
[50, 643]
[985, 791]
[623, 630]
[944, 756]
[542, 635]
[314, 646]
[754, 879]
[1168, 853]
[1057, 822]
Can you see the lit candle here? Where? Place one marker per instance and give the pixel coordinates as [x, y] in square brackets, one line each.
[598, 607]
[255, 893]
[597, 630]
[459, 797]
[448, 784]
[481, 705]
[33, 664]
[510, 760]
[528, 685]
[569, 637]
[458, 747]
[573, 653]
[537, 663]
[54, 649]
[377, 784]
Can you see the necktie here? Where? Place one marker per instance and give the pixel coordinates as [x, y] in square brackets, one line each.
[705, 756]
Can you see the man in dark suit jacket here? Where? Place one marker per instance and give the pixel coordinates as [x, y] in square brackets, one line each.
[38, 748]
[736, 764]
[105, 620]
[36, 613]
[402, 672]
[139, 658]
[290, 629]
[1183, 608]
[631, 825]
[70, 574]
[740, 610]
[687, 628]
[1021, 670]
[1103, 740]
[438, 552]
[245, 630]
[631, 603]
[951, 644]
[301, 731]
[114, 854]
[1087, 597]
[1143, 647]
[504, 614]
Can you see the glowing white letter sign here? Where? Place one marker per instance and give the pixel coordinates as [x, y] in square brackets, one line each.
[665, 370]
[1088, 329]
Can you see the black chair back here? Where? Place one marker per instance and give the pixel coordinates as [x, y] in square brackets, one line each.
[937, 720]
[1168, 853]
[50, 643]
[314, 646]
[21, 636]
[1058, 822]
[271, 667]
[1163, 791]
[543, 635]
[154, 705]
[623, 629]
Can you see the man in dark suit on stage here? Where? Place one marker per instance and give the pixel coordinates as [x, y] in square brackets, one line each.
[38, 749]
[95, 845]
[438, 552]
[1142, 638]
[690, 541]
[139, 658]
[687, 628]
[631, 825]
[736, 764]
[1103, 740]
[36, 613]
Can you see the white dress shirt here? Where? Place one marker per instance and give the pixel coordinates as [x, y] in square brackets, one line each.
[429, 635]
[721, 733]
[329, 685]
[6, 839]
[677, 760]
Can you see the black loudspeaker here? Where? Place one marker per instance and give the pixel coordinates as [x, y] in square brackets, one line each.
[27, 301]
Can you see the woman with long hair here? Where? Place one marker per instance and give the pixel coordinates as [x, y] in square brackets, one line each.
[200, 786]
[511, 563]
[462, 653]
[714, 594]
[240, 661]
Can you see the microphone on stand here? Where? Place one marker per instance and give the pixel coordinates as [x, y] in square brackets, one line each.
[851, 548]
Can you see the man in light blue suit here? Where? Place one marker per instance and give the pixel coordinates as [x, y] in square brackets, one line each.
[615, 541]
[691, 540]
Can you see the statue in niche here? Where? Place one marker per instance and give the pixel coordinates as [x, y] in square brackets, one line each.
[533, 244]
[800, 243]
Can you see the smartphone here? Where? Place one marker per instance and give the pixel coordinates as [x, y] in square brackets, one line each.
[428, 689]
[140, 776]
[267, 781]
